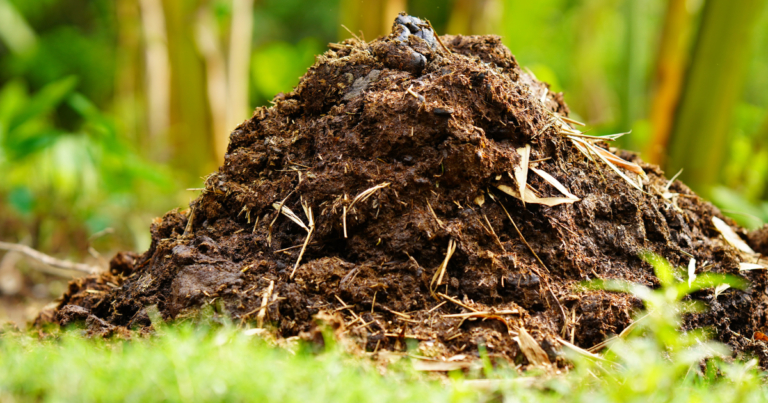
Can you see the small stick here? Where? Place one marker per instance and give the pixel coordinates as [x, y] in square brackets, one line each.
[349, 307]
[400, 314]
[276, 300]
[255, 224]
[279, 209]
[188, 228]
[439, 223]
[306, 241]
[361, 197]
[480, 314]
[49, 260]
[569, 120]
[496, 237]
[438, 277]
[351, 33]
[523, 238]
[415, 95]
[457, 302]
[291, 247]
[562, 311]
[438, 38]
[344, 220]
[373, 304]
[437, 306]
[263, 310]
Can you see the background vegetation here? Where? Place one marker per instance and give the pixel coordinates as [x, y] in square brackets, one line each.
[111, 109]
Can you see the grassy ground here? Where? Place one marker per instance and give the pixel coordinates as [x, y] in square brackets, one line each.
[191, 364]
[205, 362]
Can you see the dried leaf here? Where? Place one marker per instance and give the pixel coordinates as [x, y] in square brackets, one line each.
[751, 266]
[291, 215]
[629, 166]
[588, 148]
[364, 195]
[760, 336]
[669, 195]
[521, 171]
[731, 237]
[533, 352]
[719, 289]
[554, 182]
[531, 197]
[691, 271]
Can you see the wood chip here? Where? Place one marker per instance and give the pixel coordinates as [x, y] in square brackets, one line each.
[480, 200]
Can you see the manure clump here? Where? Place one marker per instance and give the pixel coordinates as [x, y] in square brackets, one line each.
[424, 188]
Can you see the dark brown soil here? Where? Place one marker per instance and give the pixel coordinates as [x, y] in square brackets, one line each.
[438, 133]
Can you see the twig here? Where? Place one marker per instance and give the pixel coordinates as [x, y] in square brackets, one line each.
[481, 314]
[457, 302]
[438, 277]
[351, 33]
[279, 209]
[562, 311]
[263, 310]
[49, 260]
[400, 314]
[438, 38]
[306, 241]
[291, 247]
[495, 237]
[523, 238]
[190, 220]
[363, 196]
[431, 210]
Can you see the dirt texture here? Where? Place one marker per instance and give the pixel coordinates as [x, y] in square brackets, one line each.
[398, 165]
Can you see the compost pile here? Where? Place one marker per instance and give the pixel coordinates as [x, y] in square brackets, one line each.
[428, 189]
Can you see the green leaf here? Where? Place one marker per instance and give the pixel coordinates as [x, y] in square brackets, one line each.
[13, 96]
[44, 101]
[662, 268]
[20, 147]
[711, 280]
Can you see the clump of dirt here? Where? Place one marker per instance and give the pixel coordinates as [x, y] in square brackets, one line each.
[429, 189]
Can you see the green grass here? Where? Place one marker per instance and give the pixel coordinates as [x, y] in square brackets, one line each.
[208, 362]
[194, 364]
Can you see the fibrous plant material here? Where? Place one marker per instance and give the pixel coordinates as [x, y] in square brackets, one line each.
[447, 201]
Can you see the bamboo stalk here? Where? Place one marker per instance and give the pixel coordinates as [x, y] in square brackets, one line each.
[712, 90]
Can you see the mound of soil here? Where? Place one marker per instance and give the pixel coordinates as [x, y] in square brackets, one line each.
[387, 190]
